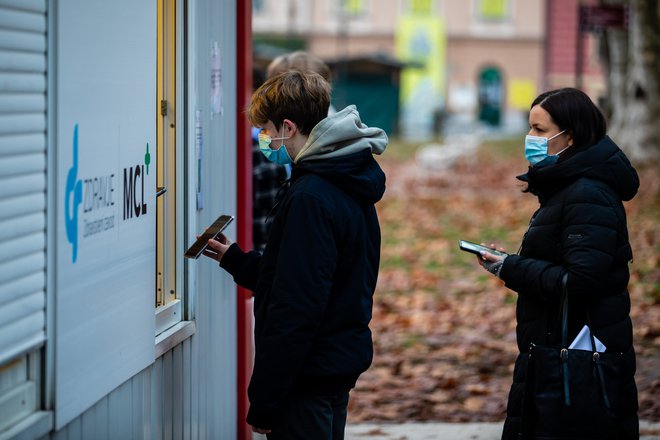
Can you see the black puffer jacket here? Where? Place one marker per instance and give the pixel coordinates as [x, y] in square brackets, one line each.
[580, 229]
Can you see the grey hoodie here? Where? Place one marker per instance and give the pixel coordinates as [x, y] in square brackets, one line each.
[341, 134]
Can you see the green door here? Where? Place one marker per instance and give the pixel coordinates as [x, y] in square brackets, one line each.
[376, 96]
[490, 96]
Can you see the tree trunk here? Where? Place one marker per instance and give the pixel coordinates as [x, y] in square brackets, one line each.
[633, 65]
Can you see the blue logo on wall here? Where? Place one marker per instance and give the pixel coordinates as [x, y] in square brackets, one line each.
[89, 201]
[73, 199]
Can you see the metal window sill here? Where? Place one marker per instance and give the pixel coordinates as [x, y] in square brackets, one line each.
[36, 425]
[173, 336]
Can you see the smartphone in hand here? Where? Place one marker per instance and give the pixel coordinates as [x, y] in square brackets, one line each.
[476, 249]
[212, 231]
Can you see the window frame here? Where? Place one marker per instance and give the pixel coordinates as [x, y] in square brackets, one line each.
[35, 422]
[169, 303]
[175, 323]
[20, 386]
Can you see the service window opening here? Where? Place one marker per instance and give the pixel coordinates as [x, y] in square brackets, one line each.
[167, 299]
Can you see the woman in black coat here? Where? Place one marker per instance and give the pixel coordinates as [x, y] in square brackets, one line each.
[579, 234]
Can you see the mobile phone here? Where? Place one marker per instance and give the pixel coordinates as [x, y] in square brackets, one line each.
[475, 248]
[212, 231]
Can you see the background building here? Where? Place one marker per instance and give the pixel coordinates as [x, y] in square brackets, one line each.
[477, 60]
[569, 61]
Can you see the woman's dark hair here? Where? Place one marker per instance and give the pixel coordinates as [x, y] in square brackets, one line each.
[572, 110]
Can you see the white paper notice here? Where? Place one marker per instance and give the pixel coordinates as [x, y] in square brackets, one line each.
[199, 144]
[216, 80]
[582, 341]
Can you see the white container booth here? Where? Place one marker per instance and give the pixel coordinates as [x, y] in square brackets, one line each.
[106, 331]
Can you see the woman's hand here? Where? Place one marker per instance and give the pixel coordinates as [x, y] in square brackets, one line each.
[217, 248]
[491, 262]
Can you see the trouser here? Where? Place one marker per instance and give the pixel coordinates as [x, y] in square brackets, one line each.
[306, 417]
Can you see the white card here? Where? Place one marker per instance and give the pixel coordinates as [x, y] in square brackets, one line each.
[583, 342]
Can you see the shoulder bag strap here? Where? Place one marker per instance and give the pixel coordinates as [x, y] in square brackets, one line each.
[564, 340]
[599, 367]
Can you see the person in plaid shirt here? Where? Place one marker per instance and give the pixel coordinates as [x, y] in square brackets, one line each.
[268, 177]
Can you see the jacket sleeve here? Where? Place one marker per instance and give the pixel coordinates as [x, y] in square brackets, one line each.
[242, 266]
[536, 279]
[588, 237]
[301, 288]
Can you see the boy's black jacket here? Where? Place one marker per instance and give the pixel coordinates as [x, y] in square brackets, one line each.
[314, 283]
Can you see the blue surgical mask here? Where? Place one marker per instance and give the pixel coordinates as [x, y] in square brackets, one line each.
[536, 150]
[279, 156]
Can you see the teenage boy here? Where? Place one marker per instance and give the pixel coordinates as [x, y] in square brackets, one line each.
[315, 280]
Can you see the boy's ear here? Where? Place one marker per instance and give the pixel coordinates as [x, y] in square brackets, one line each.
[290, 128]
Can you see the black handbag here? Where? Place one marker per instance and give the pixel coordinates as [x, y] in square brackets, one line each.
[570, 393]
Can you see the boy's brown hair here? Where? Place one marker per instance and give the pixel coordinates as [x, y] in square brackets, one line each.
[303, 98]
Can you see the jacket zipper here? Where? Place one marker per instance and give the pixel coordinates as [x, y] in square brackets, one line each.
[522, 243]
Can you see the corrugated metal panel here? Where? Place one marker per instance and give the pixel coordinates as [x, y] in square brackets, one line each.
[22, 175]
[21, 123]
[22, 164]
[21, 185]
[188, 393]
[21, 62]
[187, 389]
[155, 382]
[14, 40]
[140, 409]
[120, 409]
[177, 393]
[23, 143]
[25, 5]
[23, 20]
[13, 207]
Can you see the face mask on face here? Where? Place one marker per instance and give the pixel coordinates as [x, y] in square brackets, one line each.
[536, 150]
[279, 156]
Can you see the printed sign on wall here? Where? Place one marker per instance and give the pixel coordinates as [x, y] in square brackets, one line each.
[106, 129]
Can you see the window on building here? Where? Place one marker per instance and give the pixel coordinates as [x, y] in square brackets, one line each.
[421, 6]
[493, 10]
[20, 384]
[168, 299]
[352, 8]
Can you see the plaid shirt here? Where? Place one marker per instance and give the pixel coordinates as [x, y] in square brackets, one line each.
[267, 178]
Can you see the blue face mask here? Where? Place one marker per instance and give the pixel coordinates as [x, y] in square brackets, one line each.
[536, 150]
[279, 156]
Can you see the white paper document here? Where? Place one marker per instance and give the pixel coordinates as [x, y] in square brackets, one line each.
[583, 342]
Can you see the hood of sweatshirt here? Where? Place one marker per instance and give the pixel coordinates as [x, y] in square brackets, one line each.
[340, 149]
[341, 134]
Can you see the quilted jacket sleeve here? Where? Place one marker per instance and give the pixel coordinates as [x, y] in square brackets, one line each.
[588, 227]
